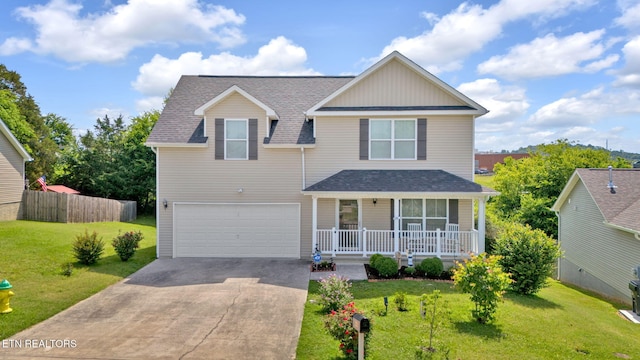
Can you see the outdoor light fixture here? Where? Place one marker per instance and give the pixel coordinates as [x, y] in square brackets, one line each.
[375, 201]
[240, 190]
[165, 203]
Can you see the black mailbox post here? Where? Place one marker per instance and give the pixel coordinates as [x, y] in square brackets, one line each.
[634, 286]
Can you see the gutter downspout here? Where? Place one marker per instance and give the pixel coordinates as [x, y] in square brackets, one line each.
[559, 258]
[155, 151]
[304, 180]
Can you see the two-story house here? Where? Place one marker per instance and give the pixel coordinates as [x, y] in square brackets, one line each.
[278, 166]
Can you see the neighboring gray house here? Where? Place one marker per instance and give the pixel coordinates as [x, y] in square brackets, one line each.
[599, 230]
[277, 166]
[12, 182]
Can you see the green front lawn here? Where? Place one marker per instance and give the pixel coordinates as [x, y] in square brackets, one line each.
[32, 254]
[559, 323]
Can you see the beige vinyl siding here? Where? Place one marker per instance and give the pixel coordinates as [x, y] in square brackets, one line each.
[192, 175]
[11, 172]
[395, 84]
[465, 214]
[449, 147]
[605, 255]
[326, 213]
[378, 216]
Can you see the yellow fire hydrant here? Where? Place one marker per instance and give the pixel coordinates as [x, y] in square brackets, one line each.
[5, 295]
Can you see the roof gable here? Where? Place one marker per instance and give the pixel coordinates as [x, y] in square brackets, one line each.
[230, 91]
[14, 142]
[396, 83]
[620, 209]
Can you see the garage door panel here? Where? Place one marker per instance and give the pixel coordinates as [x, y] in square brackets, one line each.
[237, 230]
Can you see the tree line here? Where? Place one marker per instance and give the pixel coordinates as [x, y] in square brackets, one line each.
[108, 161]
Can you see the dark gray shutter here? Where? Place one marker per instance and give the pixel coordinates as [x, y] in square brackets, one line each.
[393, 213]
[364, 139]
[253, 139]
[219, 136]
[453, 211]
[422, 140]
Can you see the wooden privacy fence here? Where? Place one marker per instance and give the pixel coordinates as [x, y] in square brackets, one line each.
[70, 208]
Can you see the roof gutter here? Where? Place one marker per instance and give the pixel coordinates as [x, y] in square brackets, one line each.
[635, 233]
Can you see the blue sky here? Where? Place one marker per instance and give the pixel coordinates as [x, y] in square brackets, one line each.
[546, 69]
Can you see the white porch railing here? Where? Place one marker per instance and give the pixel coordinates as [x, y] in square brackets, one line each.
[426, 243]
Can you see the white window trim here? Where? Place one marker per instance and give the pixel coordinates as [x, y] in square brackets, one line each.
[246, 139]
[393, 139]
[424, 217]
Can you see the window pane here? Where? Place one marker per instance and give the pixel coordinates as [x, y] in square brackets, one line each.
[410, 221]
[412, 208]
[381, 149]
[236, 149]
[380, 129]
[433, 224]
[436, 208]
[236, 129]
[404, 149]
[405, 129]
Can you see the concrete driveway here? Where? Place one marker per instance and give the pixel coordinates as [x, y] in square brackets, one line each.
[188, 308]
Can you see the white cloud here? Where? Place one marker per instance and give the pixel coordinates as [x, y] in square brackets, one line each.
[552, 56]
[469, 28]
[504, 103]
[106, 37]
[629, 75]
[593, 107]
[279, 57]
[630, 15]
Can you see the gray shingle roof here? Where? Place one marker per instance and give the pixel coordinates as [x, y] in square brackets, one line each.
[288, 96]
[395, 181]
[622, 208]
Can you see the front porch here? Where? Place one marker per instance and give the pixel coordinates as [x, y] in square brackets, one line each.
[428, 212]
[451, 242]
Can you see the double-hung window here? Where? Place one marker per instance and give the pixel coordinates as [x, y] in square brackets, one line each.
[236, 139]
[392, 139]
[432, 214]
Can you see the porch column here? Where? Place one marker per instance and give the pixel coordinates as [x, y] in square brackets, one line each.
[396, 225]
[481, 225]
[314, 223]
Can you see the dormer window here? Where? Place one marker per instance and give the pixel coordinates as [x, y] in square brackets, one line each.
[236, 141]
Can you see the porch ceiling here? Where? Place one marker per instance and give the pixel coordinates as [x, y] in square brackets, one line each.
[397, 183]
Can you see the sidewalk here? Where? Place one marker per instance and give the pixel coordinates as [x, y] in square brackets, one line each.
[350, 271]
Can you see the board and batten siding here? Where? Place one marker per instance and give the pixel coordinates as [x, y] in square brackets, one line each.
[11, 180]
[605, 255]
[395, 84]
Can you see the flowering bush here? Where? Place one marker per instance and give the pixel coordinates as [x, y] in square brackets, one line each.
[335, 292]
[88, 248]
[483, 278]
[340, 326]
[126, 244]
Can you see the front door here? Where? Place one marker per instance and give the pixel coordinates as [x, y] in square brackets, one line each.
[348, 224]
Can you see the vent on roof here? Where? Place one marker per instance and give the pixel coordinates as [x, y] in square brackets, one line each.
[611, 186]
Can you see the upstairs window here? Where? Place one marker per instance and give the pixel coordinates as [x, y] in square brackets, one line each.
[392, 139]
[236, 139]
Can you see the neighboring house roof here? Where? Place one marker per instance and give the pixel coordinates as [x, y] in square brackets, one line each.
[62, 189]
[13, 141]
[489, 161]
[291, 100]
[620, 209]
[397, 181]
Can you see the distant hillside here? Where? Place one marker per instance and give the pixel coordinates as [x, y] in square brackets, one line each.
[633, 157]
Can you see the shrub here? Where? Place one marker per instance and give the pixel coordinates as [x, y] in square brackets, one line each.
[483, 278]
[340, 326]
[528, 255]
[410, 270]
[374, 259]
[335, 292]
[431, 267]
[126, 244]
[400, 299]
[88, 248]
[387, 267]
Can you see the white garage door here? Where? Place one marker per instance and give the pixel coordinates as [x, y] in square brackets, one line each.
[237, 230]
